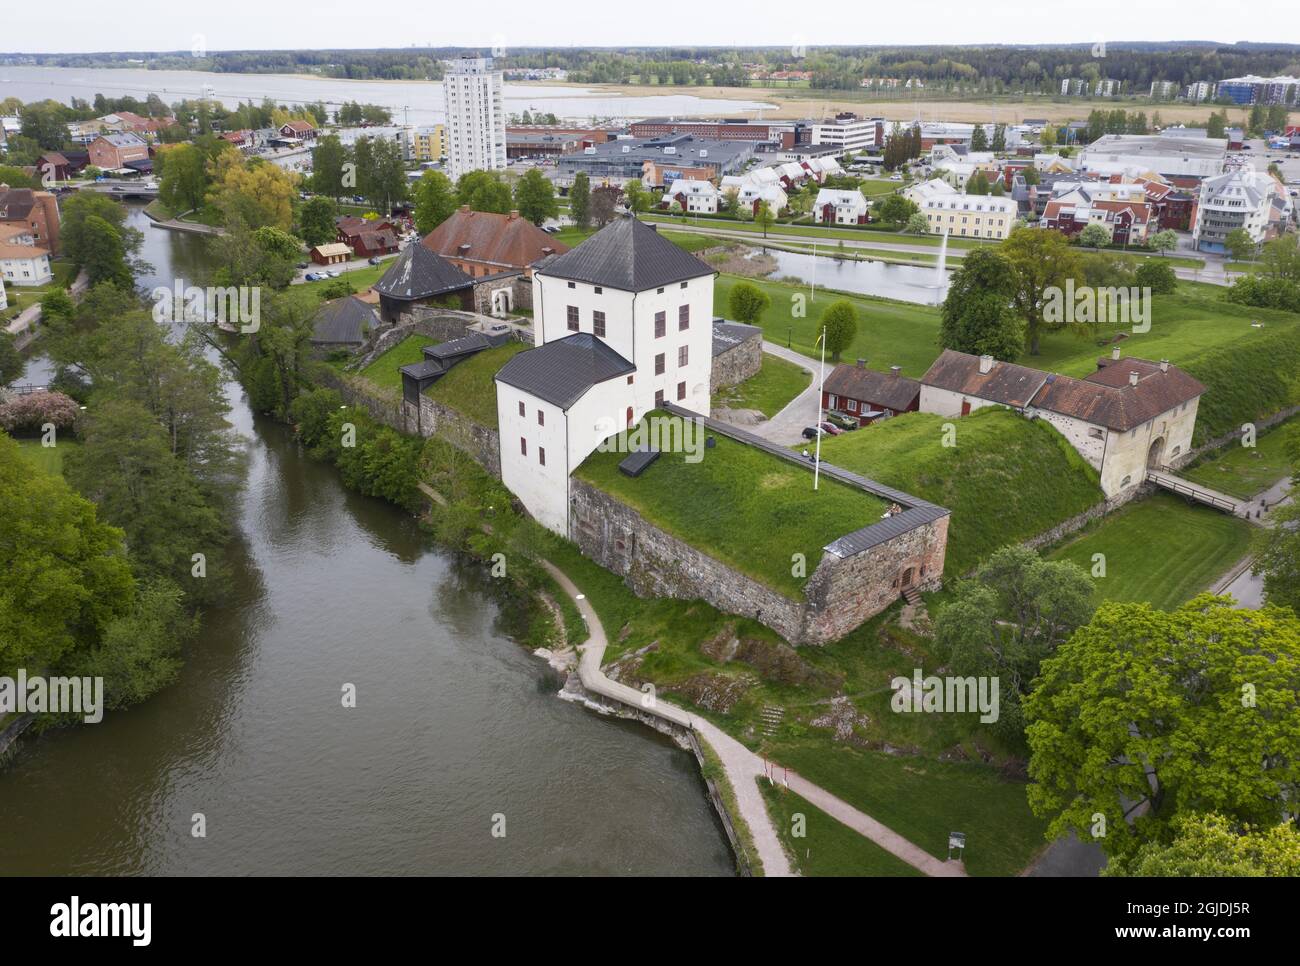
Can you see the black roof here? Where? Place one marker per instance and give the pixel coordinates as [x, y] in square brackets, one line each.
[728, 335]
[627, 255]
[561, 371]
[419, 273]
[419, 371]
[347, 321]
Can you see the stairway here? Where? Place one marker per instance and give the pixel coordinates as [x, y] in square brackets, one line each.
[911, 595]
[772, 716]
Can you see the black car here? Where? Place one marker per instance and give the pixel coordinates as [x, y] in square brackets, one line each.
[811, 432]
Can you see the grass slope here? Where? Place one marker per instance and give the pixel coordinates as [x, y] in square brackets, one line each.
[769, 390]
[1244, 472]
[1005, 480]
[1159, 550]
[740, 505]
[383, 371]
[469, 387]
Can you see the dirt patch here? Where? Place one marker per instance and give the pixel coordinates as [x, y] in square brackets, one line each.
[714, 691]
[777, 662]
[743, 260]
[843, 718]
[738, 417]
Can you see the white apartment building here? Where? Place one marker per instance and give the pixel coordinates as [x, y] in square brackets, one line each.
[1241, 198]
[700, 197]
[476, 119]
[836, 206]
[850, 133]
[623, 324]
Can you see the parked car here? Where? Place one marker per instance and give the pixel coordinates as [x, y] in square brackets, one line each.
[811, 432]
[331, 273]
[831, 429]
[302, 265]
[374, 259]
[846, 423]
[312, 277]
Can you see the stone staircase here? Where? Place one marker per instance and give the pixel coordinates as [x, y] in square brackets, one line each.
[911, 595]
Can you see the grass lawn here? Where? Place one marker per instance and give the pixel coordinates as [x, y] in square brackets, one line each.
[924, 800]
[1244, 472]
[470, 389]
[47, 458]
[384, 370]
[889, 333]
[741, 505]
[22, 297]
[769, 390]
[574, 236]
[1005, 480]
[1159, 550]
[827, 847]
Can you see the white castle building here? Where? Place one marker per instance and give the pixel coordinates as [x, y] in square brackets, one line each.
[622, 324]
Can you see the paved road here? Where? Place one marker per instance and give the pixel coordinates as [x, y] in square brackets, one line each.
[786, 427]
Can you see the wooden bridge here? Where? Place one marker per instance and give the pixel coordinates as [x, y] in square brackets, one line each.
[1195, 492]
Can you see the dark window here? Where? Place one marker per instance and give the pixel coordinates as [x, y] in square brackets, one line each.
[683, 355]
[523, 446]
[541, 455]
[629, 380]
[521, 410]
[629, 415]
[660, 291]
[541, 418]
[598, 324]
[571, 285]
[683, 317]
[573, 318]
[683, 284]
[659, 397]
[661, 326]
[659, 364]
[599, 290]
[681, 390]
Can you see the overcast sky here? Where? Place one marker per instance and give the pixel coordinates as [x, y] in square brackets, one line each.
[82, 25]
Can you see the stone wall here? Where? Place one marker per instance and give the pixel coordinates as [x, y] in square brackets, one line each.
[738, 363]
[841, 594]
[1226, 439]
[1080, 520]
[520, 286]
[481, 443]
[384, 407]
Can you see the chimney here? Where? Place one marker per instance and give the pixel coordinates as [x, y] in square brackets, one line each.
[1114, 353]
[895, 370]
[1164, 365]
[862, 363]
[1133, 378]
[514, 215]
[986, 365]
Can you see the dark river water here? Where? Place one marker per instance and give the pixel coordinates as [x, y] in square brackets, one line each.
[454, 724]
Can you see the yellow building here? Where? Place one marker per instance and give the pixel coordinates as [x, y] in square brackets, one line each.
[971, 216]
[430, 143]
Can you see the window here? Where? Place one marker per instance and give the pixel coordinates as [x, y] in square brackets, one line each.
[629, 380]
[541, 418]
[599, 290]
[832, 402]
[659, 398]
[659, 364]
[660, 324]
[681, 390]
[573, 318]
[541, 455]
[523, 446]
[571, 285]
[521, 409]
[683, 355]
[683, 284]
[683, 317]
[598, 324]
[659, 291]
[852, 405]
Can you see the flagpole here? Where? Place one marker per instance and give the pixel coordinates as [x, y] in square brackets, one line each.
[821, 384]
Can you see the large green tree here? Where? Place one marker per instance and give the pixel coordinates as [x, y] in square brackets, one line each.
[977, 316]
[484, 191]
[535, 197]
[1211, 846]
[1145, 716]
[316, 220]
[580, 200]
[1042, 261]
[435, 201]
[747, 303]
[840, 321]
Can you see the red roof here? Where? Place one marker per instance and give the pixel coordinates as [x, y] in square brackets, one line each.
[483, 236]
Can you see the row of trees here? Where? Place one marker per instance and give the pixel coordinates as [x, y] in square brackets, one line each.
[533, 196]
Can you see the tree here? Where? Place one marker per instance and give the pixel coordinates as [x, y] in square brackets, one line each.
[386, 184]
[917, 224]
[895, 209]
[763, 216]
[1217, 125]
[1041, 260]
[183, 177]
[1031, 175]
[46, 124]
[747, 303]
[580, 200]
[1159, 277]
[977, 316]
[104, 258]
[840, 321]
[327, 161]
[635, 197]
[604, 204]
[1277, 547]
[18, 178]
[1210, 845]
[66, 573]
[1094, 236]
[1239, 245]
[1165, 240]
[535, 197]
[11, 360]
[484, 191]
[435, 201]
[73, 233]
[1145, 716]
[316, 220]
[979, 138]
[254, 192]
[978, 184]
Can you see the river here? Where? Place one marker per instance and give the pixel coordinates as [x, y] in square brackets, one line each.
[414, 102]
[455, 723]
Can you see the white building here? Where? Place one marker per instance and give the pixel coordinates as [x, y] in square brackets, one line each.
[22, 261]
[1167, 156]
[476, 119]
[694, 196]
[623, 324]
[836, 206]
[750, 191]
[922, 191]
[1128, 417]
[1241, 198]
[850, 133]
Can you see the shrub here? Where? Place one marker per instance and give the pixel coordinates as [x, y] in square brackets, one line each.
[747, 303]
[30, 412]
[1157, 276]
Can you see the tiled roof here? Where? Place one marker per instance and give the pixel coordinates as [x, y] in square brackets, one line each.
[418, 273]
[485, 236]
[630, 256]
[1108, 398]
[896, 392]
[560, 372]
[1005, 383]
